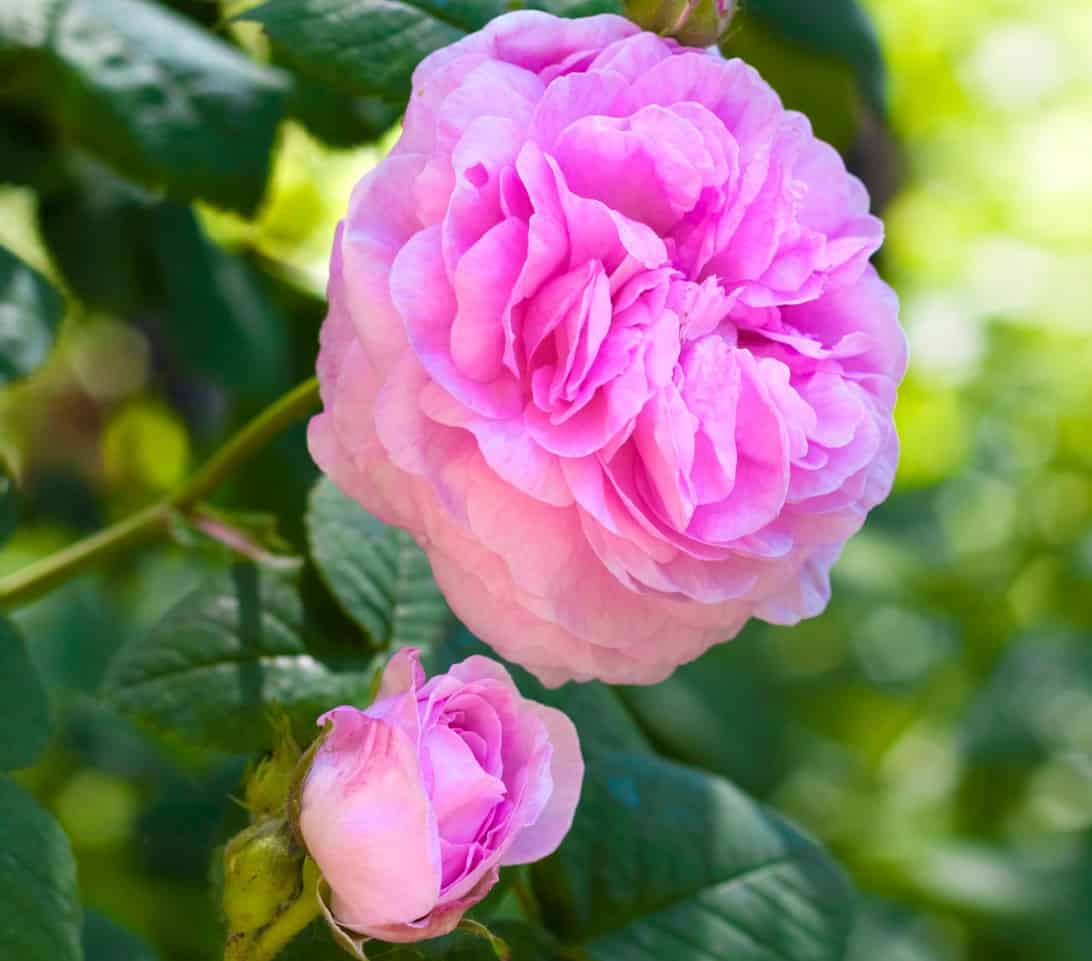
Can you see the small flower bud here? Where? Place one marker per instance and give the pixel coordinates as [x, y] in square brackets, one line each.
[269, 783]
[262, 873]
[694, 23]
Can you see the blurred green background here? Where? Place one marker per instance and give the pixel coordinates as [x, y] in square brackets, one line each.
[934, 726]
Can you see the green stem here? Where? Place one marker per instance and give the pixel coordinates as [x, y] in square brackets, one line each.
[151, 522]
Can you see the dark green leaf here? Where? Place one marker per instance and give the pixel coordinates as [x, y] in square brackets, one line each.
[367, 46]
[339, 119]
[9, 503]
[98, 229]
[39, 912]
[30, 312]
[103, 940]
[666, 862]
[208, 673]
[24, 707]
[221, 321]
[372, 46]
[379, 575]
[839, 29]
[721, 712]
[575, 8]
[151, 93]
[27, 151]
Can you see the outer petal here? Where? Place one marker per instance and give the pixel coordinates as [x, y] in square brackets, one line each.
[368, 823]
[542, 837]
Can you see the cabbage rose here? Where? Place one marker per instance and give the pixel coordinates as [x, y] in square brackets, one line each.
[603, 335]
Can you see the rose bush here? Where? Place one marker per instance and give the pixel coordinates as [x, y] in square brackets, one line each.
[411, 806]
[603, 334]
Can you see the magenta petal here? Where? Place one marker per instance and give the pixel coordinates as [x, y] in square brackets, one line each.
[429, 312]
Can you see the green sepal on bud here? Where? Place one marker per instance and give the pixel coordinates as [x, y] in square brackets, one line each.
[269, 783]
[694, 23]
[263, 868]
[270, 890]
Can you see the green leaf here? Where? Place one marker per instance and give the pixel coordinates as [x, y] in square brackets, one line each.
[371, 47]
[24, 707]
[366, 46]
[98, 229]
[28, 153]
[839, 29]
[220, 319]
[39, 912]
[339, 119]
[30, 312]
[151, 93]
[9, 502]
[721, 713]
[667, 862]
[378, 574]
[207, 675]
[103, 940]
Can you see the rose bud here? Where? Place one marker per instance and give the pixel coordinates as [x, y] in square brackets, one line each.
[696, 23]
[412, 805]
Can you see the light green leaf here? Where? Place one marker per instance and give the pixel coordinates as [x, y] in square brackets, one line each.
[24, 707]
[664, 861]
[150, 92]
[381, 578]
[39, 912]
[207, 675]
[30, 312]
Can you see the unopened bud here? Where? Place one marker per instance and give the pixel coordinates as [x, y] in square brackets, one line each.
[268, 783]
[694, 23]
[262, 873]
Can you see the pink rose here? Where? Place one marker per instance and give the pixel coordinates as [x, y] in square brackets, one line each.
[604, 336]
[412, 805]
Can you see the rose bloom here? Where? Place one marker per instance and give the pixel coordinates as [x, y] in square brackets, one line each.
[410, 806]
[603, 334]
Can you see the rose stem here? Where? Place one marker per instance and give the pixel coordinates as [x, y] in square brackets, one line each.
[43, 575]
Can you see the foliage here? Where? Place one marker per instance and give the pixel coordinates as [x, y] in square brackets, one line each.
[166, 207]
